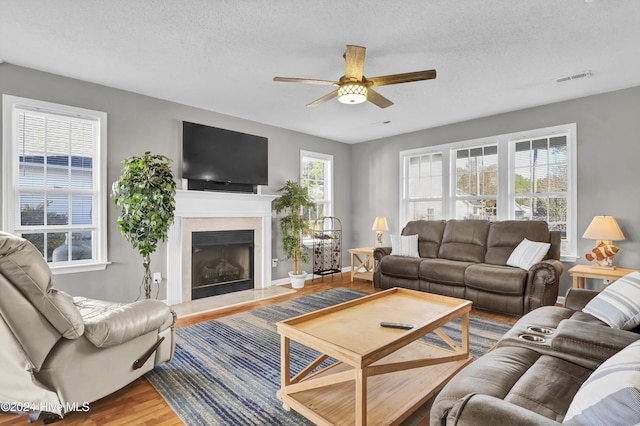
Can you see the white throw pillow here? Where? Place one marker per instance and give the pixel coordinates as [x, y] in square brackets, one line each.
[527, 254]
[404, 245]
[611, 394]
[619, 303]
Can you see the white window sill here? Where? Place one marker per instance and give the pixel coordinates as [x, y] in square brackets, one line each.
[77, 267]
[569, 258]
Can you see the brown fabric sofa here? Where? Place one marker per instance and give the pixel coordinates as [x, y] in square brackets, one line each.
[467, 259]
[534, 382]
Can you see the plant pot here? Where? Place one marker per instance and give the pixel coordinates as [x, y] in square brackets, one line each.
[297, 281]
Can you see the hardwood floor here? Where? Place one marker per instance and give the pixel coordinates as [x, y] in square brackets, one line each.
[139, 404]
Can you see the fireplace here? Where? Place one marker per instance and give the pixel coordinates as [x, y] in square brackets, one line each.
[202, 211]
[221, 262]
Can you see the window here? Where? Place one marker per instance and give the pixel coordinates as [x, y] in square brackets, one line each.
[54, 181]
[540, 181]
[316, 174]
[520, 176]
[424, 186]
[476, 182]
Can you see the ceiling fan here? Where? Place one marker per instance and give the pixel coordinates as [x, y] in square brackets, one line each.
[353, 87]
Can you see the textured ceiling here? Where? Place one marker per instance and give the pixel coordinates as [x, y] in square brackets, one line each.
[491, 56]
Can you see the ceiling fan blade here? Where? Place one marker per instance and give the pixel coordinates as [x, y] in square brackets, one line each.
[354, 58]
[324, 99]
[305, 80]
[406, 77]
[377, 99]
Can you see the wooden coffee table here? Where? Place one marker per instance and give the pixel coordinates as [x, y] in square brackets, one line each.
[377, 375]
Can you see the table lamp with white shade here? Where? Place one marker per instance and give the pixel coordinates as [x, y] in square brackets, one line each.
[605, 230]
[379, 225]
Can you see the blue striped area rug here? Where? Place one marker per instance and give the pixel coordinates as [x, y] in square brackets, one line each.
[227, 371]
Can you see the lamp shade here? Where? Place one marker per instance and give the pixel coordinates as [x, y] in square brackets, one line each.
[354, 93]
[380, 224]
[603, 228]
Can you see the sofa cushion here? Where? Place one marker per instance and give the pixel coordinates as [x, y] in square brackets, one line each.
[400, 266]
[518, 375]
[404, 245]
[611, 395]
[548, 387]
[443, 271]
[619, 303]
[464, 240]
[429, 233]
[496, 279]
[505, 236]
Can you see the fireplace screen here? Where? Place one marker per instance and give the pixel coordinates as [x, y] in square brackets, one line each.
[221, 262]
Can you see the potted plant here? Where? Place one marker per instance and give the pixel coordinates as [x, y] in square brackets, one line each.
[294, 227]
[145, 194]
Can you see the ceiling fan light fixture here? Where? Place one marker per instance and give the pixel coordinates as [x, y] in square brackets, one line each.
[352, 93]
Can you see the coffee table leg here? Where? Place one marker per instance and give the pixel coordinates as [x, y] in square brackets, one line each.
[361, 397]
[465, 332]
[285, 370]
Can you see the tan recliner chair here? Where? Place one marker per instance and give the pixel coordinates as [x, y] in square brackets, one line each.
[59, 353]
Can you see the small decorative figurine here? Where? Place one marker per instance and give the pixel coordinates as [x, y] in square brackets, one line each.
[603, 255]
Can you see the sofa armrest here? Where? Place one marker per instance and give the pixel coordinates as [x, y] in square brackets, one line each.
[380, 252]
[108, 324]
[594, 342]
[543, 282]
[577, 298]
[477, 409]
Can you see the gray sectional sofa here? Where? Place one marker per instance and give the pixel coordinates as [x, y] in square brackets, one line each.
[468, 259]
[556, 365]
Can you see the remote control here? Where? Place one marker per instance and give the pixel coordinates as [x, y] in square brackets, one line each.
[397, 325]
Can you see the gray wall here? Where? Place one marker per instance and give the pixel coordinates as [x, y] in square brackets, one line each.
[139, 123]
[608, 166]
[608, 153]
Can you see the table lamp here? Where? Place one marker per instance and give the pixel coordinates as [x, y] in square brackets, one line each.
[605, 230]
[379, 225]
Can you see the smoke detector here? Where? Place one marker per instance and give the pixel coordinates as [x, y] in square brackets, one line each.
[583, 74]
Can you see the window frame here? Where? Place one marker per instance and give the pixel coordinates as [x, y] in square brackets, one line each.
[10, 187]
[506, 176]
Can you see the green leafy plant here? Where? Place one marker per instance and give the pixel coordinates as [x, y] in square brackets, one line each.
[145, 194]
[293, 224]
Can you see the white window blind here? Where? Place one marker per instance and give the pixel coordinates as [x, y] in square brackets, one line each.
[541, 180]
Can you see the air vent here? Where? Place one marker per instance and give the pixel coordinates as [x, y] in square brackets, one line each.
[573, 77]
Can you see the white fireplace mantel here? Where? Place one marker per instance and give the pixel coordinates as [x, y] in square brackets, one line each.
[192, 207]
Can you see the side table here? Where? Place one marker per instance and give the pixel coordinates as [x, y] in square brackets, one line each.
[580, 273]
[362, 258]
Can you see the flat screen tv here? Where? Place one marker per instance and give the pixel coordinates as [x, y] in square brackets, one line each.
[223, 156]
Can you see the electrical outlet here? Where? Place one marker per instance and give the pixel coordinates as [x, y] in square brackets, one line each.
[274, 263]
[157, 277]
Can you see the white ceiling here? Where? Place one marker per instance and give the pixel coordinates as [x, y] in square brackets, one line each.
[491, 56]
